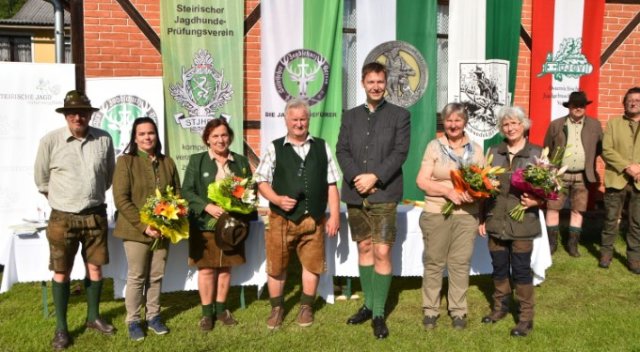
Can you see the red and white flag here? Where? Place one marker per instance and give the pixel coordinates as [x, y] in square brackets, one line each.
[565, 57]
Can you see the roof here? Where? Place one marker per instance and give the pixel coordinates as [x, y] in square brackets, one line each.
[36, 12]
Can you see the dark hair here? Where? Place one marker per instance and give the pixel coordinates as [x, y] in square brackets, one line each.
[132, 147]
[213, 124]
[374, 67]
[634, 90]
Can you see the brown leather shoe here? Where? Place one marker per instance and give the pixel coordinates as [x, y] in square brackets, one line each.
[275, 318]
[493, 317]
[226, 318]
[61, 340]
[605, 261]
[522, 329]
[305, 316]
[206, 323]
[634, 266]
[101, 326]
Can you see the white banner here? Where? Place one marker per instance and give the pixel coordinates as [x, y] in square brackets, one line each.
[29, 95]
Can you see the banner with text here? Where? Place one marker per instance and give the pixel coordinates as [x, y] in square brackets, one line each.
[202, 60]
[301, 57]
[29, 96]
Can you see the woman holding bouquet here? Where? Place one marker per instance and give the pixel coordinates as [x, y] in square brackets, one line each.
[141, 170]
[213, 263]
[448, 239]
[510, 240]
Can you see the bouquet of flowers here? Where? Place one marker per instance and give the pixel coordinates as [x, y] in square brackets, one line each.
[480, 181]
[543, 179]
[233, 194]
[167, 213]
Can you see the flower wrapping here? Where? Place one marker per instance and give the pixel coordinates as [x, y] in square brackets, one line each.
[480, 181]
[233, 194]
[542, 179]
[166, 212]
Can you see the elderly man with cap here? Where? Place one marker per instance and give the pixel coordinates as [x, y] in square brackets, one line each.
[73, 169]
[579, 139]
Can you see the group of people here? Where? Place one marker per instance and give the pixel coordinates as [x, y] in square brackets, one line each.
[299, 177]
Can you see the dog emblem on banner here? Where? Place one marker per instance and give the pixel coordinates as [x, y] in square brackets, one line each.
[407, 73]
[202, 92]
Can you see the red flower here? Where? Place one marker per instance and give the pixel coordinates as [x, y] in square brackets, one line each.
[238, 192]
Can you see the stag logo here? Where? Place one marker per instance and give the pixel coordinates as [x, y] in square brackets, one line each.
[116, 116]
[302, 73]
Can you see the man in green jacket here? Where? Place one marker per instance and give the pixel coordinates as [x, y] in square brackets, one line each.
[621, 154]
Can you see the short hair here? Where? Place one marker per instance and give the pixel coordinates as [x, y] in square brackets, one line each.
[634, 90]
[513, 112]
[132, 147]
[213, 124]
[374, 67]
[298, 103]
[454, 108]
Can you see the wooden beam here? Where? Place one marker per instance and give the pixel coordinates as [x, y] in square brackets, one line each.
[252, 19]
[76, 10]
[526, 38]
[622, 36]
[142, 24]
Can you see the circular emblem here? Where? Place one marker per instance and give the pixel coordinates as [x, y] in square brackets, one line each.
[205, 174]
[302, 73]
[407, 74]
[116, 116]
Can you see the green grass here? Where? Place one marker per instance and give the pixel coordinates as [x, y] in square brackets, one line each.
[578, 308]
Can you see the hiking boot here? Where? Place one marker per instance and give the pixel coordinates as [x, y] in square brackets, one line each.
[634, 266]
[226, 318]
[275, 318]
[522, 329]
[362, 315]
[305, 316]
[429, 322]
[605, 261]
[493, 317]
[135, 331]
[459, 323]
[156, 325]
[206, 323]
[61, 340]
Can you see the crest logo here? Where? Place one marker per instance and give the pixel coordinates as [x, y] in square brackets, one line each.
[302, 73]
[568, 61]
[407, 73]
[116, 116]
[483, 90]
[202, 92]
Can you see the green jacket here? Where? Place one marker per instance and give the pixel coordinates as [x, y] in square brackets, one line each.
[620, 148]
[133, 183]
[201, 171]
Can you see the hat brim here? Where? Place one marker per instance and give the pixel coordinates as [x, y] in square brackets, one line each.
[567, 103]
[79, 108]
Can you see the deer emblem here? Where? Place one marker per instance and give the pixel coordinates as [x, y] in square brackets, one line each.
[303, 74]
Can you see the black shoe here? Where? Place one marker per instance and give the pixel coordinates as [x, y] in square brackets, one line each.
[429, 322]
[101, 326]
[459, 323]
[361, 316]
[380, 330]
[60, 340]
[522, 329]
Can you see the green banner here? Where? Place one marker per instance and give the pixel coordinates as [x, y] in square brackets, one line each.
[202, 58]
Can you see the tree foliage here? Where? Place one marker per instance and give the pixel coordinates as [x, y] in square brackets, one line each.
[8, 8]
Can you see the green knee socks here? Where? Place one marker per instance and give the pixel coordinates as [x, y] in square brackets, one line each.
[94, 289]
[366, 282]
[381, 284]
[61, 301]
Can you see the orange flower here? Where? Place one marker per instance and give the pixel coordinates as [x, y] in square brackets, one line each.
[160, 207]
[238, 192]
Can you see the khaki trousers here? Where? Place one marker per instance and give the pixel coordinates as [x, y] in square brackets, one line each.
[448, 242]
[144, 279]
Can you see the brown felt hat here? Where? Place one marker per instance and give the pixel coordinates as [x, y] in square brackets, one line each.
[76, 101]
[230, 232]
[577, 99]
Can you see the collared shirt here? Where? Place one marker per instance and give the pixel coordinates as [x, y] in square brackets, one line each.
[223, 170]
[378, 107]
[75, 173]
[574, 156]
[264, 172]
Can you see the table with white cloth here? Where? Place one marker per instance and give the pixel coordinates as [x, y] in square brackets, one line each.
[26, 259]
[406, 254]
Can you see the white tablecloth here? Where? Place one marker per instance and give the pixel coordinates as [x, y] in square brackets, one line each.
[26, 259]
[342, 253]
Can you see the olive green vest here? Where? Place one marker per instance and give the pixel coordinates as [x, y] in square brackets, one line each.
[304, 180]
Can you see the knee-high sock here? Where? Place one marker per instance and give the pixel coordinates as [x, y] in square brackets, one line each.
[61, 301]
[94, 289]
[381, 284]
[366, 282]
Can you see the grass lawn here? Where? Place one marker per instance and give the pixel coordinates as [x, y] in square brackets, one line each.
[579, 307]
